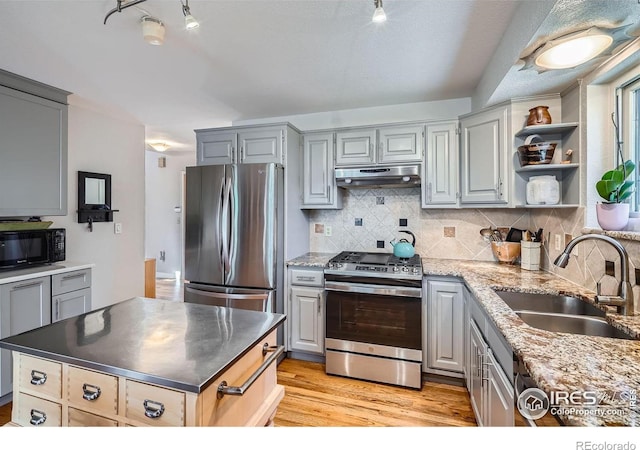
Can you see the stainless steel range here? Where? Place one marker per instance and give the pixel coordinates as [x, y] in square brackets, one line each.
[374, 318]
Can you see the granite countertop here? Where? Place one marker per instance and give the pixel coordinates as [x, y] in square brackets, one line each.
[311, 259]
[173, 344]
[557, 361]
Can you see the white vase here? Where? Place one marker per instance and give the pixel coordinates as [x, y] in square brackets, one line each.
[612, 216]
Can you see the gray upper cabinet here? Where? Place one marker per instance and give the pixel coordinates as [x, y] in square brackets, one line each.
[216, 147]
[440, 187]
[33, 173]
[400, 144]
[393, 144]
[319, 190]
[484, 158]
[356, 147]
[241, 145]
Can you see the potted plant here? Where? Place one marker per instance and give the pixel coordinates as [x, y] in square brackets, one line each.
[615, 189]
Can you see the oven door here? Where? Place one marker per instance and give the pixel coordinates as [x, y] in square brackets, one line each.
[23, 248]
[374, 314]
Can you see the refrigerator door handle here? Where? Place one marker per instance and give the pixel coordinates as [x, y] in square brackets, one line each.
[221, 214]
[224, 229]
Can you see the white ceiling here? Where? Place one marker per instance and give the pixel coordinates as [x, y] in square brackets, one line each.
[267, 58]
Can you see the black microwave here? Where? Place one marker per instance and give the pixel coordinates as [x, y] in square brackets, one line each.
[20, 249]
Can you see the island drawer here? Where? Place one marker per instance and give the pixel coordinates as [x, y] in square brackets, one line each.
[33, 411]
[71, 281]
[94, 390]
[40, 377]
[79, 418]
[154, 405]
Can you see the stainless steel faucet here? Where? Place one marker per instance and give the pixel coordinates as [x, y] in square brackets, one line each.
[624, 301]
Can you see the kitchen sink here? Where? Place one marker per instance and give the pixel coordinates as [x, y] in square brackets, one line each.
[561, 313]
[565, 323]
[549, 303]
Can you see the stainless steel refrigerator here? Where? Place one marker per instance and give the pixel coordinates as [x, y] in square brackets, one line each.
[234, 236]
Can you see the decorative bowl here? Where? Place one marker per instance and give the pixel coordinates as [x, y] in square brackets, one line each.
[506, 252]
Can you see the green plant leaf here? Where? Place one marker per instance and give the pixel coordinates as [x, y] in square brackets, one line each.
[607, 189]
[626, 168]
[613, 175]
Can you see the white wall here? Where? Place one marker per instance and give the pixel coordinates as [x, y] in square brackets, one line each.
[163, 193]
[106, 144]
[427, 111]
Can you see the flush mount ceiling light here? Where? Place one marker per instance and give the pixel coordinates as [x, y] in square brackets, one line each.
[190, 22]
[152, 30]
[573, 49]
[378, 15]
[159, 146]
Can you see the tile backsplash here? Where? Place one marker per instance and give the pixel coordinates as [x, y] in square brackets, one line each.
[370, 219]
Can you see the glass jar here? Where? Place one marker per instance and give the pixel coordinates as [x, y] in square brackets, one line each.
[543, 190]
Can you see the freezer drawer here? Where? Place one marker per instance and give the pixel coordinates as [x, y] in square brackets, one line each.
[242, 298]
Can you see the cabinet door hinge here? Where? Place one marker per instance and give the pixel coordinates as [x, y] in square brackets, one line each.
[458, 132]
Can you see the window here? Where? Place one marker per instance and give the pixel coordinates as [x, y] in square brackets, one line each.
[628, 107]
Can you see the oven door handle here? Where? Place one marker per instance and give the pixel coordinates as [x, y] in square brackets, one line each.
[395, 291]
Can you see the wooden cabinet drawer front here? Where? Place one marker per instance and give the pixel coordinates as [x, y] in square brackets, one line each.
[257, 404]
[33, 411]
[167, 404]
[70, 281]
[93, 390]
[40, 377]
[79, 418]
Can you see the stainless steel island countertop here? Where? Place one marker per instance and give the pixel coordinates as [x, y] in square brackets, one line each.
[173, 344]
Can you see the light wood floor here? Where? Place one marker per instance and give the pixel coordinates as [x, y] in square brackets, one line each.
[315, 399]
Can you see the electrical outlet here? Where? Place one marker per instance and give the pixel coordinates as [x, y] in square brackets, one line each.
[610, 268]
[327, 230]
[117, 228]
[558, 242]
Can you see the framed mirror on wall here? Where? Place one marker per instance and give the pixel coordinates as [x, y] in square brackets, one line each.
[94, 198]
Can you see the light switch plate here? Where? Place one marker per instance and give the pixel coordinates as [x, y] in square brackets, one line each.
[117, 228]
[558, 242]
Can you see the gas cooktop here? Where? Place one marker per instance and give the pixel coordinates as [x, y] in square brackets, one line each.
[375, 264]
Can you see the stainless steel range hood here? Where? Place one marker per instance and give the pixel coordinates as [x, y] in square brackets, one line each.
[390, 176]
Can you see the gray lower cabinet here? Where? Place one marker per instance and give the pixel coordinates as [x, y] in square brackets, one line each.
[32, 303]
[490, 389]
[444, 319]
[70, 294]
[306, 318]
[24, 305]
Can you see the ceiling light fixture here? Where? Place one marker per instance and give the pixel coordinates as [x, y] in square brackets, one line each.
[159, 146]
[576, 48]
[573, 49]
[152, 30]
[190, 22]
[378, 15]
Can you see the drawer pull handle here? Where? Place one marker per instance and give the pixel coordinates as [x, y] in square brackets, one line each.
[71, 277]
[224, 389]
[90, 392]
[153, 412]
[37, 417]
[38, 377]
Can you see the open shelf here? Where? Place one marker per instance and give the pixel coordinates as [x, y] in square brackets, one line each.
[548, 206]
[547, 167]
[552, 128]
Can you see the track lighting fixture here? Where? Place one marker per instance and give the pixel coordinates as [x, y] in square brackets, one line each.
[152, 28]
[190, 22]
[378, 15]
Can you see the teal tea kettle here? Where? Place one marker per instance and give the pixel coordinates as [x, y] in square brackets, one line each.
[403, 249]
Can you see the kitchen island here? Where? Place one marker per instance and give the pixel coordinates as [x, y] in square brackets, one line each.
[148, 362]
